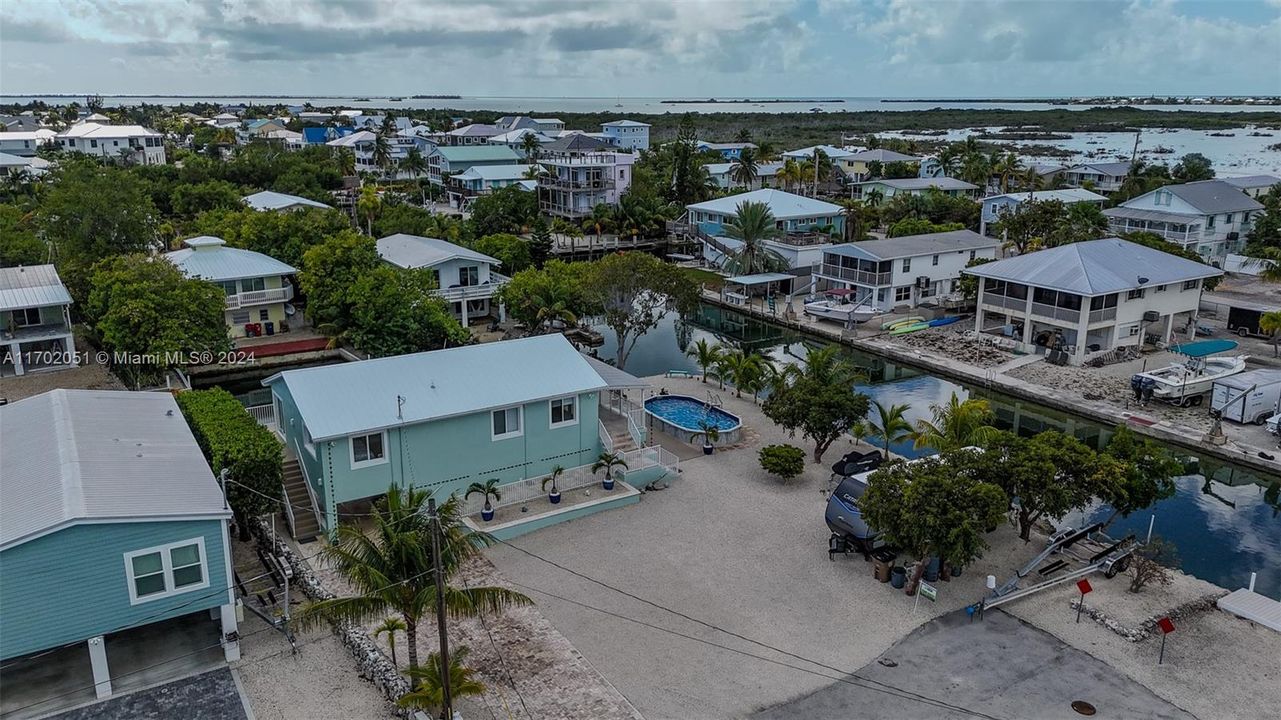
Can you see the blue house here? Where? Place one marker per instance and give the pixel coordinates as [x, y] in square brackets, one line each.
[444, 419]
[729, 151]
[110, 521]
[318, 135]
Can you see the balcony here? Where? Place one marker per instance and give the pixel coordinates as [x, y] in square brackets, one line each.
[563, 210]
[1103, 315]
[862, 277]
[260, 297]
[483, 291]
[1054, 312]
[803, 239]
[1003, 302]
[31, 333]
[552, 182]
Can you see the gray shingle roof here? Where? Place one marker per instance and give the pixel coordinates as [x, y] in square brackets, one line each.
[72, 455]
[577, 142]
[1213, 196]
[1095, 267]
[31, 286]
[914, 245]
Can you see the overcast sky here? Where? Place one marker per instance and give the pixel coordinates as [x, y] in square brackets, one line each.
[642, 48]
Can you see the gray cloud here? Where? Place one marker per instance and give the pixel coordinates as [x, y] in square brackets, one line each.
[602, 36]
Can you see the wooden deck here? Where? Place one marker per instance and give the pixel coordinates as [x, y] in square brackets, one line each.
[1253, 607]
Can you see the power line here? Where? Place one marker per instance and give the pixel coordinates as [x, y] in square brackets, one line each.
[553, 563]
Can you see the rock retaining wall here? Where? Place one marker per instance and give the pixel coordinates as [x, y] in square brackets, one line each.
[373, 664]
[1145, 628]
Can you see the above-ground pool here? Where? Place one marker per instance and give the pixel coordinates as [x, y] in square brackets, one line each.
[683, 416]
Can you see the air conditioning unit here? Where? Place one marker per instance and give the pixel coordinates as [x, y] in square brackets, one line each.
[1151, 316]
[923, 282]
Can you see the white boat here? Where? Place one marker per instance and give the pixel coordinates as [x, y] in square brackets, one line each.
[1185, 383]
[839, 308]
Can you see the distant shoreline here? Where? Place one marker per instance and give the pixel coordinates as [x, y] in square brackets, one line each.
[748, 101]
[1258, 101]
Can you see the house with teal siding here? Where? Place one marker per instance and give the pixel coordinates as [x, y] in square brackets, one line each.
[441, 420]
[110, 520]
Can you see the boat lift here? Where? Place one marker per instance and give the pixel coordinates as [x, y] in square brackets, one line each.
[1103, 554]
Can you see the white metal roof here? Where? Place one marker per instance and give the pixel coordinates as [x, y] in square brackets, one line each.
[759, 278]
[1066, 196]
[415, 251]
[354, 139]
[832, 152]
[616, 379]
[1095, 267]
[269, 200]
[496, 172]
[624, 123]
[73, 455]
[1247, 182]
[882, 155]
[763, 170]
[340, 400]
[783, 205]
[209, 258]
[31, 286]
[96, 130]
[917, 183]
[915, 245]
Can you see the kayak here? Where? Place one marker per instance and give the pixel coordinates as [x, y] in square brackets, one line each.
[903, 321]
[939, 322]
[905, 329]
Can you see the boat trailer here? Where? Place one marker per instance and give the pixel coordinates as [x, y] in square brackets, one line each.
[1100, 554]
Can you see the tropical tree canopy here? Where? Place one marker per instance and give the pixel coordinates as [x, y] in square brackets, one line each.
[752, 225]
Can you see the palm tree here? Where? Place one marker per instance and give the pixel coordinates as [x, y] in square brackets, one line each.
[752, 374]
[382, 153]
[346, 162]
[389, 627]
[874, 197]
[367, 206]
[607, 462]
[1270, 323]
[389, 567]
[859, 430]
[530, 146]
[733, 364]
[890, 425]
[1006, 167]
[778, 377]
[429, 694]
[1031, 180]
[488, 489]
[743, 168]
[790, 174]
[415, 164]
[752, 225]
[705, 355]
[853, 210]
[956, 425]
[816, 168]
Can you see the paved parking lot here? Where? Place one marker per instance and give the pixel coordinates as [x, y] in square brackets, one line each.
[211, 696]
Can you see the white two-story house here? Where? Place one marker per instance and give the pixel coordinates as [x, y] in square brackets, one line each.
[582, 172]
[807, 226]
[133, 144]
[466, 279]
[447, 160]
[901, 272]
[257, 286]
[35, 324]
[626, 134]
[1089, 297]
[1210, 217]
[1104, 176]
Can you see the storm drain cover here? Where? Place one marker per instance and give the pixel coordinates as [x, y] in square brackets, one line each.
[1083, 708]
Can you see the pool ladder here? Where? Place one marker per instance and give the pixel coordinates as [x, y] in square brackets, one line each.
[713, 400]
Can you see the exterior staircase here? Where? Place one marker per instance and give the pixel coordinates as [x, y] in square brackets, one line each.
[305, 526]
[622, 440]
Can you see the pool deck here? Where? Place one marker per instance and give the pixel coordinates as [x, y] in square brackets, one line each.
[879, 343]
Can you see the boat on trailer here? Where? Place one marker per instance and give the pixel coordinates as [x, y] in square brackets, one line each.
[1185, 383]
[836, 305]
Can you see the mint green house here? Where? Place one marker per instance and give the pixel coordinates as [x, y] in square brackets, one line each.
[444, 419]
[110, 520]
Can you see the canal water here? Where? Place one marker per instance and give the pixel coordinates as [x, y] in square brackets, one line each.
[1224, 520]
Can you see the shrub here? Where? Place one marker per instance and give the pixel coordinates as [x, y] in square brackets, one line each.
[785, 461]
[1151, 564]
[230, 438]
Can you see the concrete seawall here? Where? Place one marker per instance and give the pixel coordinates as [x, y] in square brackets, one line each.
[879, 344]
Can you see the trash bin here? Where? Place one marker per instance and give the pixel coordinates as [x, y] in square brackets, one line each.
[881, 562]
[932, 570]
[271, 328]
[956, 571]
[898, 576]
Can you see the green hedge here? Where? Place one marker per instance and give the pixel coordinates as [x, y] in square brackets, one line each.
[231, 438]
[785, 461]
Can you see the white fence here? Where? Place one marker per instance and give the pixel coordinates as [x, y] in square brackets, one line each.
[264, 414]
[522, 491]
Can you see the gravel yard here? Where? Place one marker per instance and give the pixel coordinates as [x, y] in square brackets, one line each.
[947, 342]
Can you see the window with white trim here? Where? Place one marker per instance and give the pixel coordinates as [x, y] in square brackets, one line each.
[506, 423]
[368, 450]
[564, 411]
[25, 317]
[903, 294]
[1191, 284]
[166, 570]
[1136, 294]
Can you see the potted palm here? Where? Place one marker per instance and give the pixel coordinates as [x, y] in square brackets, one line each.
[489, 489]
[710, 434]
[554, 495]
[607, 462]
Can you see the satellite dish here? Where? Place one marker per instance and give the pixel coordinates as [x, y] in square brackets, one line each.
[1142, 280]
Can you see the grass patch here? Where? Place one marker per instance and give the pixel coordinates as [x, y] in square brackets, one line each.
[712, 280]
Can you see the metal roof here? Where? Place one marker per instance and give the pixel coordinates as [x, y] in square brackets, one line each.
[72, 455]
[917, 183]
[415, 251]
[97, 130]
[1095, 267]
[1251, 378]
[477, 153]
[577, 142]
[268, 200]
[1154, 215]
[1066, 195]
[496, 172]
[209, 258]
[615, 378]
[832, 152]
[475, 130]
[354, 139]
[914, 245]
[340, 400]
[769, 169]
[724, 145]
[783, 205]
[1252, 181]
[624, 123]
[1213, 196]
[759, 278]
[1112, 169]
[882, 155]
[31, 286]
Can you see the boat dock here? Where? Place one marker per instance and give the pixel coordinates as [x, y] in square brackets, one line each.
[1252, 606]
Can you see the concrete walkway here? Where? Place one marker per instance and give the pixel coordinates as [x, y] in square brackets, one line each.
[211, 696]
[999, 666]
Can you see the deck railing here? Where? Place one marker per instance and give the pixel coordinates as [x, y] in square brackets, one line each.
[522, 491]
[311, 493]
[264, 414]
[862, 277]
[259, 297]
[474, 292]
[1102, 315]
[606, 442]
[1055, 312]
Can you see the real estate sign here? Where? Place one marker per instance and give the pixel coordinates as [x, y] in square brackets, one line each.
[928, 591]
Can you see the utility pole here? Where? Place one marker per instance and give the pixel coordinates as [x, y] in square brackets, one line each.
[447, 707]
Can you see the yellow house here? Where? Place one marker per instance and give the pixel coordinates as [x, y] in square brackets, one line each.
[257, 290]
